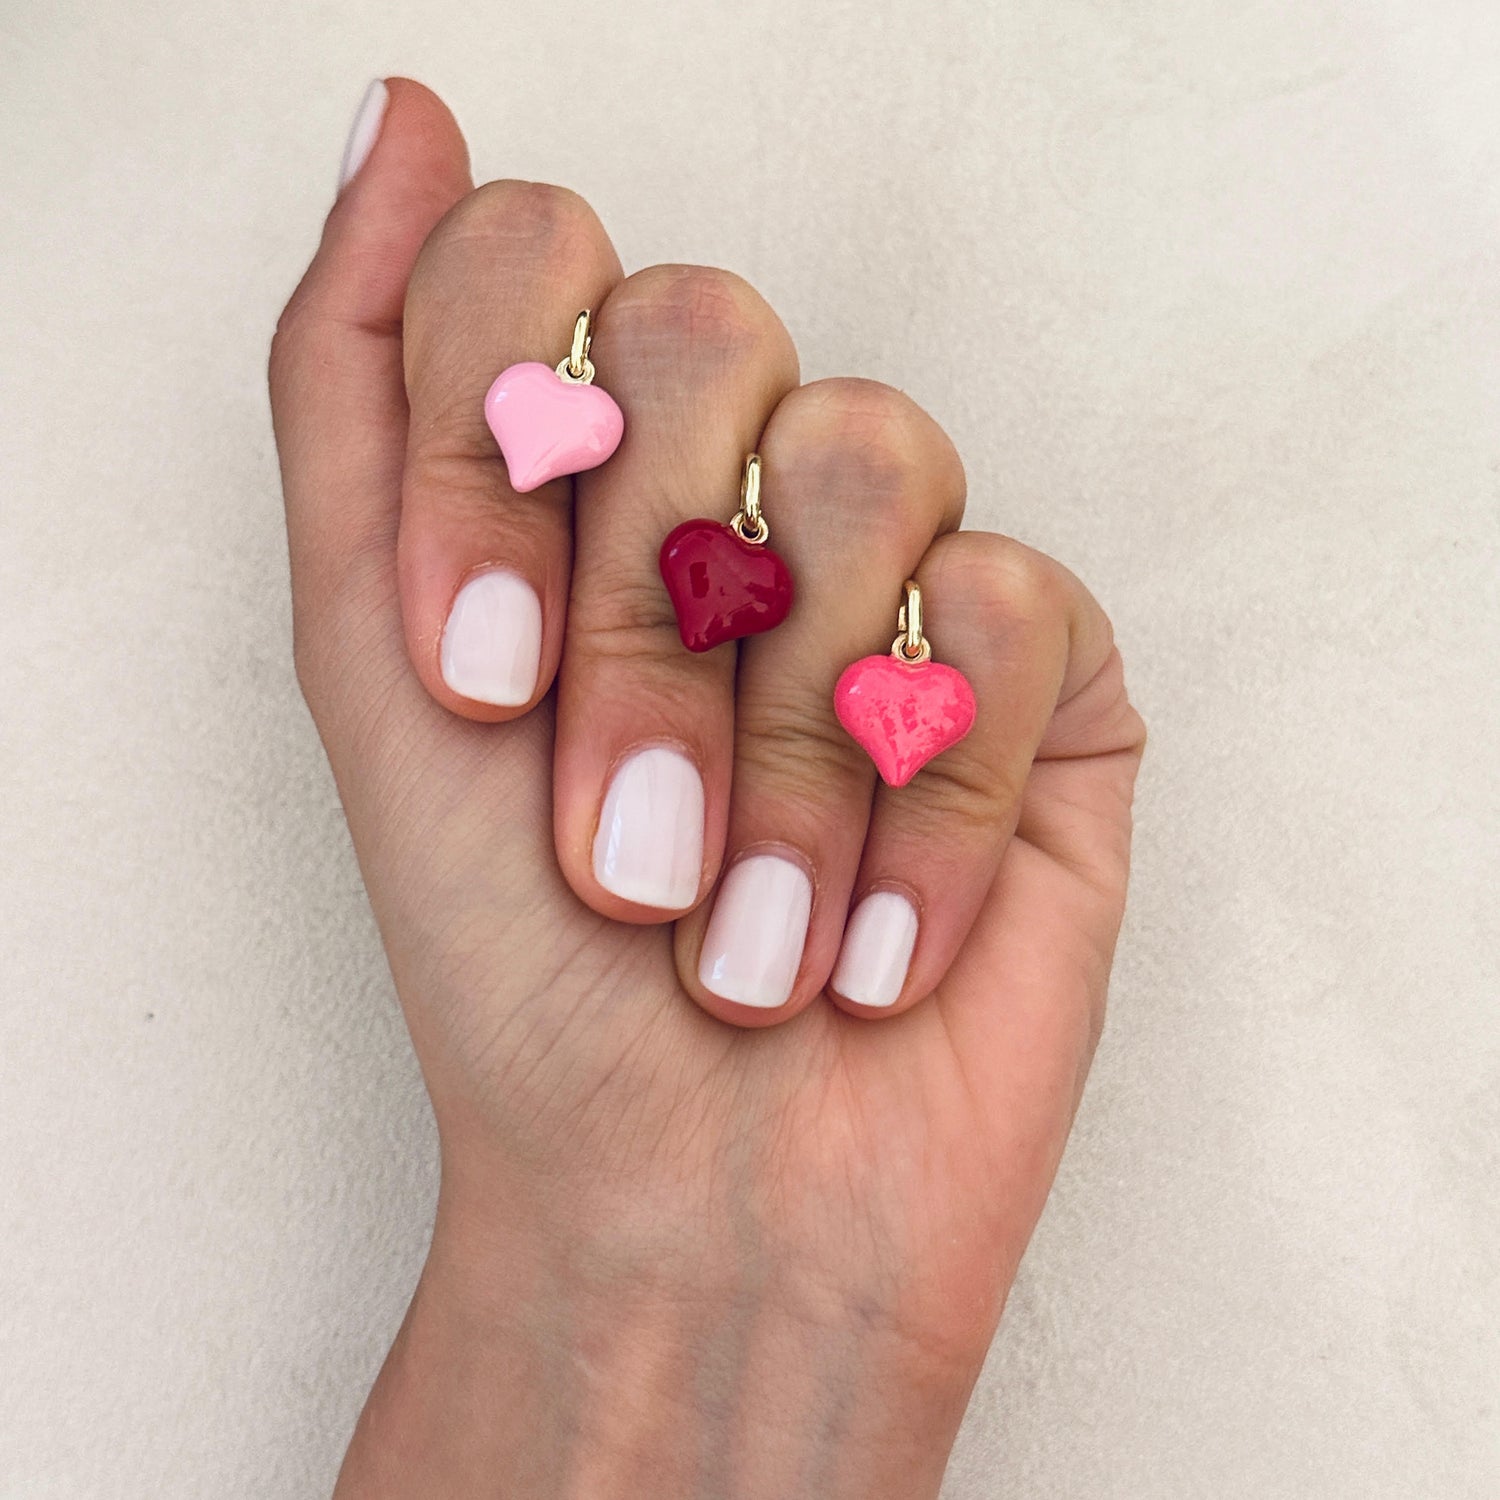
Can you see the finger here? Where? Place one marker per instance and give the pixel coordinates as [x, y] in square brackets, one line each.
[484, 569]
[697, 361]
[1024, 1001]
[857, 481]
[337, 397]
[1027, 636]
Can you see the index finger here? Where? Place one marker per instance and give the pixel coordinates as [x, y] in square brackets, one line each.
[485, 551]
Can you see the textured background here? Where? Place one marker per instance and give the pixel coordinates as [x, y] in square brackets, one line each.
[1208, 291]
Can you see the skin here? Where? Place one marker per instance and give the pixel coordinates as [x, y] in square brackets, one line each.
[682, 1248]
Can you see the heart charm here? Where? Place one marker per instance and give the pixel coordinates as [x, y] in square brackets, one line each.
[903, 713]
[722, 586]
[547, 427]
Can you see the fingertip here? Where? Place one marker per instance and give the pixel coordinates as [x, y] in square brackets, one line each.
[405, 164]
[648, 845]
[403, 134]
[638, 835]
[424, 126]
[364, 132]
[871, 974]
[484, 640]
[745, 957]
[490, 649]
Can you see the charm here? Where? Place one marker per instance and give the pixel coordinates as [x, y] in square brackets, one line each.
[553, 422]
[723, 580]
[904, 708]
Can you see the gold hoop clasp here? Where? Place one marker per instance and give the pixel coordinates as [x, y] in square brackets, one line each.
[911, 646]
[578, 368]
[749, 525]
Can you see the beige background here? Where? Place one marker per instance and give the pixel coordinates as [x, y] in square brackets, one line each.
[1208, 292]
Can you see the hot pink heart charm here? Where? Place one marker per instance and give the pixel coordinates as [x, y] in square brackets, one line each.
[903, 713]
[547, 426]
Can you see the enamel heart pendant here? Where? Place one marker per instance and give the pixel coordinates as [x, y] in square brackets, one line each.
[903, 713]
[904, 708]
[721, 586]
[723, 580]
[550, 422]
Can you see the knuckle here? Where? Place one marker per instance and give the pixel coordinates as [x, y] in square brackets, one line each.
[314, 636]
[628, 617]
[968, 791]
[452, 460]
[284, 335]
[711, 311]
[842, 422]
[307, 663]
[293, 339]
[1005, 584]
[797, 745]
[552, 228]
[868, 442]
[339, 611]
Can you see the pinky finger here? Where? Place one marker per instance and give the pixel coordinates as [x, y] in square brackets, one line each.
[1026, 634]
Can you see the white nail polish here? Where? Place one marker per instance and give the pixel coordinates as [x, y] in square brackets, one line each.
[753, 947]
[492, 643]
[364, 132]
[877, 950]
[649, 847]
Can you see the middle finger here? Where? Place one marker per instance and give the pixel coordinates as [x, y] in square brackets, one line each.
[645, 731]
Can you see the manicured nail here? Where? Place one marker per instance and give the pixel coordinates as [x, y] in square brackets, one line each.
[753, 946]
[877, 950]
[492, 643]
[364, 132]
[649, 847]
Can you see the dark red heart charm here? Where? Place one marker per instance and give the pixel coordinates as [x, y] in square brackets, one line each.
[722, 586]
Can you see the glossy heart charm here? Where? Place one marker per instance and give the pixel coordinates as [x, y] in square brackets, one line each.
[547, 426]
[903, 713]
[722, 586]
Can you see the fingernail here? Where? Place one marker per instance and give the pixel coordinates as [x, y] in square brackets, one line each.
[649, 847]
[492, 643]
[753, 946]
[877, 950]
[364, 132]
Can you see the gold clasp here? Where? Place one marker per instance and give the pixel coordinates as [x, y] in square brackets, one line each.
[911, 645]
[578, 368]
[749, 525]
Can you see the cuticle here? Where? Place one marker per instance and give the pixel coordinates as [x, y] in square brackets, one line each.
[790, 852]
[665, 742]
[899, 887]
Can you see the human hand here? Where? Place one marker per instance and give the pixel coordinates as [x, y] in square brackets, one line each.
[675, 1256]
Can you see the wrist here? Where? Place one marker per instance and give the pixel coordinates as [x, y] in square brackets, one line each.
[568, 1368]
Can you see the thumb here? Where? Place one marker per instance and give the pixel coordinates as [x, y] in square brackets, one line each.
[338, 399]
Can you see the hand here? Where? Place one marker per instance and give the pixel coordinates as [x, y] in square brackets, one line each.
[674, 1256]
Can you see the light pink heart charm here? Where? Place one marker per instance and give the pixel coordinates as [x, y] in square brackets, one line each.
[903, 713]
[547, 426]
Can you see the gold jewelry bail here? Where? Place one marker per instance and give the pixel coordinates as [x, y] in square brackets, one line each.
[750, 492]
[578, 368]
[911, 644]
[582, 338]
[748, 523]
